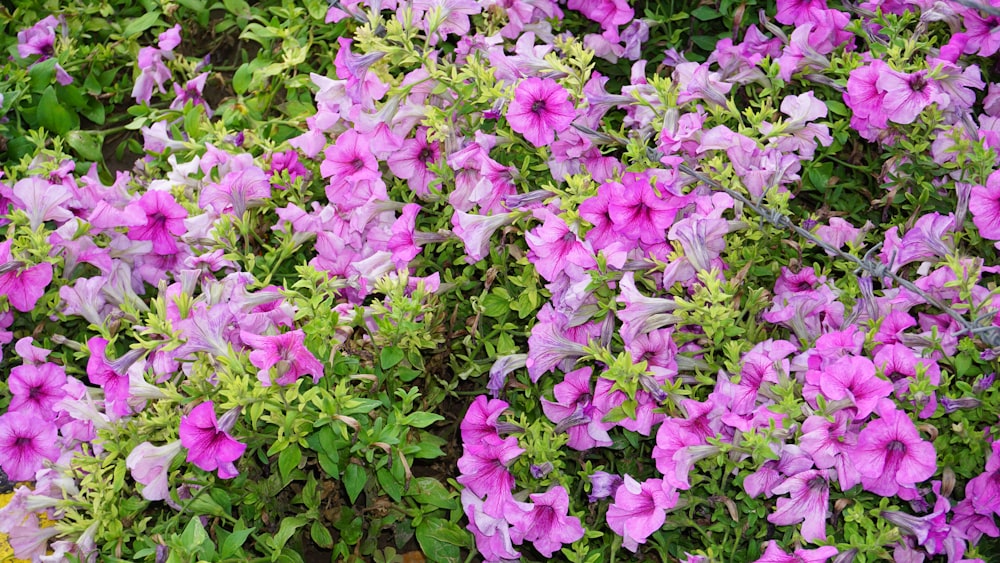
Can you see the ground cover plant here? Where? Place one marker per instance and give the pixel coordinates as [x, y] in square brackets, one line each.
[498, 280]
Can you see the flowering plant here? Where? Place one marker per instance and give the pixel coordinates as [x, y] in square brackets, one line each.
[487, 282]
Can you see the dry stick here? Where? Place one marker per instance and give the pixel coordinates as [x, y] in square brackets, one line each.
[989, 334]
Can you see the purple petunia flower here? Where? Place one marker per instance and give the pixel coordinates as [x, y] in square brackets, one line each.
[26, 441]
[286, 353]
[774, 554]
[640, 509]
[540, 109]
[36, 389]
[164, 221]
[548, 525]
[209, 444]
[484, 466]
[808, 503]
[890, 454]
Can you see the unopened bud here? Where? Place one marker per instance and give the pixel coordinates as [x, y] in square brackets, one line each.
[947, 481]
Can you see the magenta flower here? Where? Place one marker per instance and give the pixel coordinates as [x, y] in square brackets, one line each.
[150, 466]
[481, 422]
[985, 207]
[808, 503]
[890, 454]
[286, 353]
[164, 221]
[26, 441]
[906, 95]
[412, 161]
[540, 109]
[349, 160]
[483, 466]
[489, 526]
[554, 247]
[209, 444]
[23, 285]
[853, 378]
[638, 213]
[574, 412]
[548, 525]
[640, 509]
[42, 200]
[36, 389]
[112, 376]
[774, 554]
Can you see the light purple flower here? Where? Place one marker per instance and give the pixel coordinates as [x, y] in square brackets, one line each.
[150, 465]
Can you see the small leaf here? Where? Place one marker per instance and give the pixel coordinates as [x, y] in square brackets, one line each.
[321, 536]
[706, 13]
[53, 116]
[241, 78]
[422, 419]
[234, 542]
[88, 144]
[354, 480]
[390, 484]
[430, 491]
[40, 75]
[288, 460]
[140, 24]
[287, 529]
[390, 356]
[437, 538]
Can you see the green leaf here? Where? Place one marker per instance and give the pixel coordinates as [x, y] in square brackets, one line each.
[242, 78]
[430, 491]
[194, 533]
[440, 540]
[234, 543]
[140, 24]
[88, 144]
[94, 111]
[40, 75]
[354, 480]
[422, 419]
[238, 8]
[321, 535]
[53, 116]
[390, 356]
[288, 460]
[390, 485]
[705, 13]
[287, 529]
[495, 305]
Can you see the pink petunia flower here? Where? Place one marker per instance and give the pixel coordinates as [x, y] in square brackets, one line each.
[853, 378]
[640, 509]
[23, 285]
[36, 389]
[984, 204]
[349, 160]
[412, 162]
[774, 554]
[238, 191]
[26, 441]
[890, 453]
[548, 525]
[574, 412]
[210, 447]
[540, 109]
[483, 466]
[164, 221]
[906, 95]
[112, 376]
[286, 353]
[808, 503]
